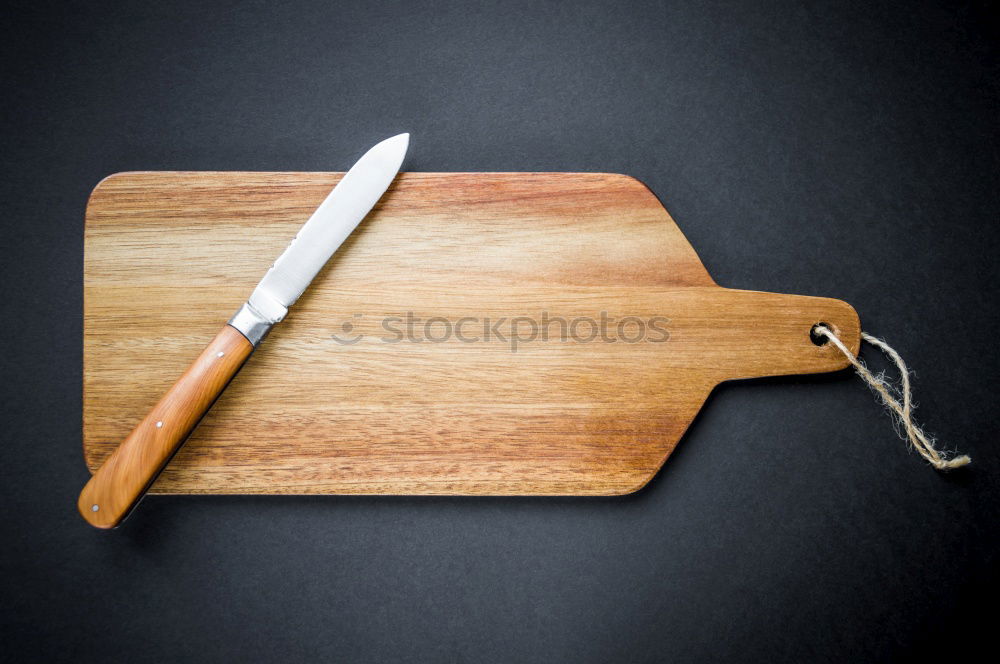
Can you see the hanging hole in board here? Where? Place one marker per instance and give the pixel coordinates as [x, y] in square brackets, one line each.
[817, 338]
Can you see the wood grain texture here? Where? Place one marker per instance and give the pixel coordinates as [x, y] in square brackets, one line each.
[123, 478]
[170, 255]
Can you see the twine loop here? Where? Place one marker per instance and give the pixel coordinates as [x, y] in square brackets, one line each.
[903, 412]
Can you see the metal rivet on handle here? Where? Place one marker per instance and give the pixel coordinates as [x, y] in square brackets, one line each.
[219, 354]
[94, 508]
[159, 424]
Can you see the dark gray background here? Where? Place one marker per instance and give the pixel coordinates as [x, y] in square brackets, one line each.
[844, 149]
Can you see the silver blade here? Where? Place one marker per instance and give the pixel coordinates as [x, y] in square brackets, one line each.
[336, 217]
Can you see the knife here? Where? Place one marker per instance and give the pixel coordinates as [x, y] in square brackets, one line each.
[125, 476]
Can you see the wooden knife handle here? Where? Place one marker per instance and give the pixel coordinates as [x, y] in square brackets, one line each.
[124, 477]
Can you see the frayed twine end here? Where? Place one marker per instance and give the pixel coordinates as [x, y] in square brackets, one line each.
[902, 411]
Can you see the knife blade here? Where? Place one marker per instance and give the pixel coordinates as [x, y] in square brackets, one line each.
[122, 480]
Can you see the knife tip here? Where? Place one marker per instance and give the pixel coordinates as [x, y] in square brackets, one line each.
[397, 145]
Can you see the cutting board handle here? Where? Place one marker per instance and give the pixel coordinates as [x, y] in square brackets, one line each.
[768, 334]
[124, 477]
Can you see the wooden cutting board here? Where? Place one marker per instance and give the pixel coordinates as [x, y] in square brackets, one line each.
[170, 256]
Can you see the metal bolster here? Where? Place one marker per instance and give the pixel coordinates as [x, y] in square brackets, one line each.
[253, 323]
